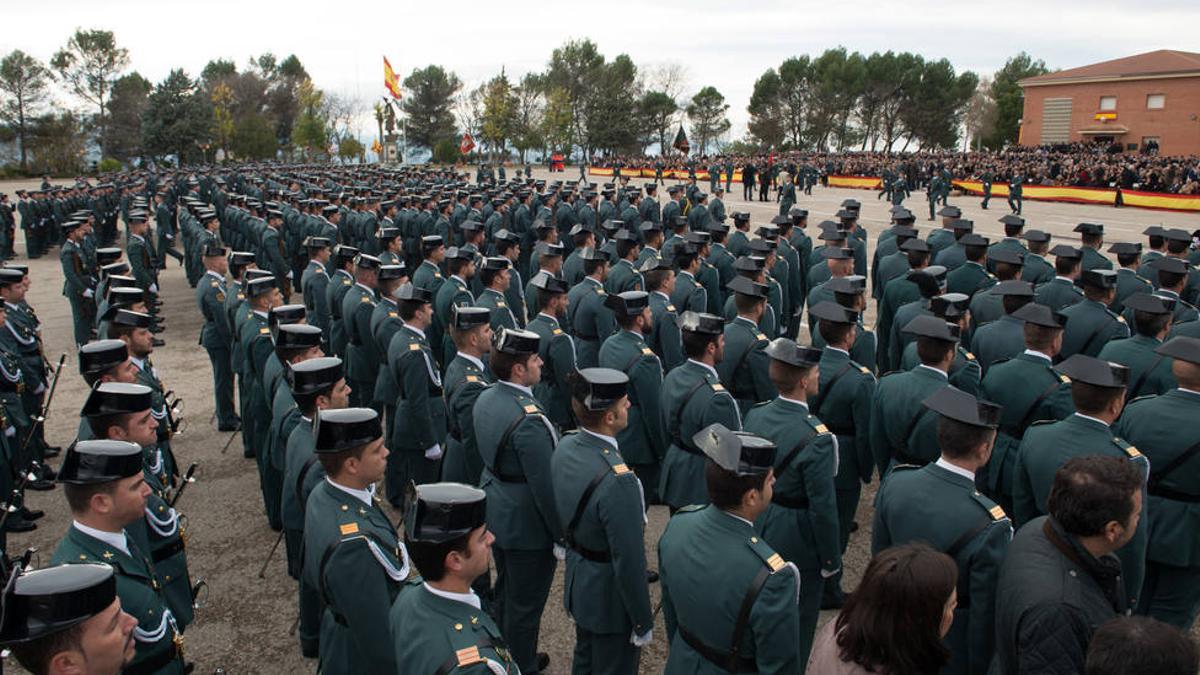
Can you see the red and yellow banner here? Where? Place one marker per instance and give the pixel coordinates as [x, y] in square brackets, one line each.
[861, 182]
[391, 80]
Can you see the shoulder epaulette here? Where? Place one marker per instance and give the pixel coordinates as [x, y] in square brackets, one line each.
[994, 510]
[1037, 423]
[1143, 397]
[763, 550]
[1130, 451]
[968, 355]
[691, 508]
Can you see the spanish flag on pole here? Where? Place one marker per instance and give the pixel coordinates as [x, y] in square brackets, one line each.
[391, 80]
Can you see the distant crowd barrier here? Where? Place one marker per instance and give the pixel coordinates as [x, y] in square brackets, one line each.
[1047, 193]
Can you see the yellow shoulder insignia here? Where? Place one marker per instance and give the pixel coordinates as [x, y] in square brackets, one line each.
[468, 656]
[759, 336]
[501, 304]
[264, 331]
[1120, 318]
[1064, 379]
[241, 296]
[366, 298]
[213, 284]
[345, 282]
[969, 355]
[646, 351]
[393, 315]
[718, 387]
[670, 308]
[414, 347]
[775, 562]
[821, 429]
[472, 378]
[864, 369]
[556, 331]
[620, 469]
[531, 409]
[1130, 451]
[997, 513]
[599, 291]
[437, 275]
[349, 528]
[220, 296]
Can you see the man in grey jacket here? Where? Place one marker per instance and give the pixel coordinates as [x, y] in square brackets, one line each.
[1061, 579]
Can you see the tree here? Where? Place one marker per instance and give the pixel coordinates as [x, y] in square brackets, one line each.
[574, 70]
[24, 81]
[283, 93]
[253, 138]
[178, 119]
[1009, 99]
[431, 91]
[530, 96]
[766, 124]
[557, 123]
[794, 96]
[610, 105]
[349, 148]
[500, 118]
[932, 112]
[58, 142]
[311, 133]
[657, 110]
[130, 98]
[222, 107]
[468, 109]
[88, 63]
[342, 112]
[707, 115]
[216, 71]
[979, 115]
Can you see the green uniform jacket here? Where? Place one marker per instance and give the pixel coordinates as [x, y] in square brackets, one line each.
[1045, 448]
[453, 292]
[385, 323]
[643, 440]
[1128, 283]
[516, 442]
[501, 314]
[315, 284]
[1030, 390]
[664, 337]
[299, 481]
[969, 278]
[1057, 294]
[600, 506]
[986, 307]
[362, 363]
[898, 340]
[1149, 373]
[623, 277]
[589, 321]
[141, 595]
[801, 522]
[689, 294]
[161, 533]
[339, 285]
[899, 292]
[939, 239]
[420, 408]
[430, 632]
[557, 350]
[1093, 259]
[1001, 339]
[709, 561]
[844, 400]
[935, 505]
[1036, 270]
[692, 398]
[1163, 427]
[965, 372]
[465, 380]
[902, 430]
[141, 262]
[352, 555]
[744, 369]
[1090, 325]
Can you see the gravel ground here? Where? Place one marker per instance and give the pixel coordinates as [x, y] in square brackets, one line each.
[243, 628]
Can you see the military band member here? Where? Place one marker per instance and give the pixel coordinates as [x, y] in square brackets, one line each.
[352, 554]
[702, 602]
[556, 348]
[438, 623]
[692, 399]
[316, 384]
[107, 492]
[801, 523]
[420, 429]
[1098, 389]
[940, 505]
[516, 441]
[607, 594]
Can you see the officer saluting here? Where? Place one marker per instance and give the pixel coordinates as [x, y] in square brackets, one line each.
[351, 552]
[938, 504]
[601, 506]
[67, 618]
[737, 609]
[96, 477]
[438, 624]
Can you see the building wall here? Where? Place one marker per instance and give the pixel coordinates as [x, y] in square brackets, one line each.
[1177, 125]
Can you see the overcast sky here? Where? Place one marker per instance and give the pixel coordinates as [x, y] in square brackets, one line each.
[727, 43]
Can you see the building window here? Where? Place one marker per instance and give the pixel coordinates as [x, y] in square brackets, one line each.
[1156, 101]
[1108, 103]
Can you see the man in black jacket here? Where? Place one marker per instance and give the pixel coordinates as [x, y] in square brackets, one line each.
[1061, 579]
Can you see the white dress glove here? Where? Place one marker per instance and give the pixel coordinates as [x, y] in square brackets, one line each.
[560, 553]
[434, 452]
[826, 574]
[642, 640]
[87, 293]
[154, 288]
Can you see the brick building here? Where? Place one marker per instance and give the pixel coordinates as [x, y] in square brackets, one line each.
[1136, 100]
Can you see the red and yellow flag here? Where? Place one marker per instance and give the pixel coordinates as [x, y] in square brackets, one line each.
[467, 145]
[391, 80]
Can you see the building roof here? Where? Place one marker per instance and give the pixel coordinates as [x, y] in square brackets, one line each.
[1151, 65]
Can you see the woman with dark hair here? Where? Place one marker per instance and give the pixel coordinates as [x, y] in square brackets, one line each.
[893, 624]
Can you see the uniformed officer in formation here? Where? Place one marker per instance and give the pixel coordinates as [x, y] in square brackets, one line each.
[744, 367]
[940, 505]
[1090, 323]
[556, 348]
[1149, 371]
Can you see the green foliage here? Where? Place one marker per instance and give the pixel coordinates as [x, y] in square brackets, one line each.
[429, 98]
[253, 138]
[177, 120]
[499, 120]
[130, 98]
[108, 165]
[573, 73]
[766, 124]
[222, 107]
[88, 64]
[24, 82]
[656, 110]
[1009, 99]
[216, 71]
[445, 151]
[707, 115]
[558, 122]
[610, 107]
[57, 143]
[350, 149]
[531, 101]
[311, 133]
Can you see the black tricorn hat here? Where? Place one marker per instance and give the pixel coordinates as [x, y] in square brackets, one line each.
[787, 351]
[43, 602]
[925, 326]
[466, 317]
[698, 322]
[315, 375]
[515, 341]
[741, 453]
[284, 315]
[1040, 315]
[598, 388]
[102, 461]
[116, 398]
[548, 283]
[629, 303]
[260, 286]
[958, 405]
[833, 312]
[1094, 371]
[392, 272]
[297, 336]
[1181, 347]
[950, 305]
[345, 429]
[120, 316]
[410, 293]
[99, 356]
[442, 512]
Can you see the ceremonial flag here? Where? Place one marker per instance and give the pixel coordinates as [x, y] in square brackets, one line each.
[376, 147]
[391, 80]
[467, 145]
[681, 141]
